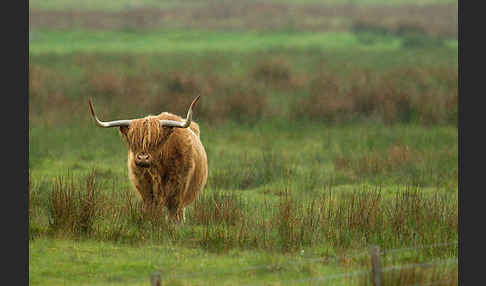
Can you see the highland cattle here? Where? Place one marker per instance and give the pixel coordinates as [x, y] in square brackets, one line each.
[167, 163]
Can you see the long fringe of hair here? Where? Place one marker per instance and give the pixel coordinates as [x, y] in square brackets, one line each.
[145, 133]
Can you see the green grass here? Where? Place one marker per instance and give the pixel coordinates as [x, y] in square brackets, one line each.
[99, 263]
[302, 145]
[102, 263]
[171, 41]
[190, 41]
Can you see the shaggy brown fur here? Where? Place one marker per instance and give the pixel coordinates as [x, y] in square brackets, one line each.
[178, 170]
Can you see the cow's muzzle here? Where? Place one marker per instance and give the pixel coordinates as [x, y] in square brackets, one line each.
[143, 160]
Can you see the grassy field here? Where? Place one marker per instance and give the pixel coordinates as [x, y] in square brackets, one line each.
[320, 144]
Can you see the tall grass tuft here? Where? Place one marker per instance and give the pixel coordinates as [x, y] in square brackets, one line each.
[73, 209]
[218, 208]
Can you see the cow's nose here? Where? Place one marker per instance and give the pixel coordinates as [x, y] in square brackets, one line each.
[142, 157]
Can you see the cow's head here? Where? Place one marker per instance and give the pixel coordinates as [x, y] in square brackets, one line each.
[145, 136]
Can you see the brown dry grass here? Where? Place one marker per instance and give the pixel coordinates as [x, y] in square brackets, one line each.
[400, 95]
[273, 72]
[423, 95]
[396, 158]
[47, 89]
[72, 209]
[218, 208]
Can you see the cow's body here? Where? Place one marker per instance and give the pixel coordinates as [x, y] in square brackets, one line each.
[177, 175]
[167, 163]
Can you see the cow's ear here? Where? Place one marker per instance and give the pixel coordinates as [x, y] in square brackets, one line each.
[124, 130]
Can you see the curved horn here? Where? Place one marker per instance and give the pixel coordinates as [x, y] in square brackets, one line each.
[179, 124]
[115, 123]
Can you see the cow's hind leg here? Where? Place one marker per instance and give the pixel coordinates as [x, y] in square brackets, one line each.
[179, 187]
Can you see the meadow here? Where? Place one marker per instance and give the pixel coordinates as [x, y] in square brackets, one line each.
[320, 144]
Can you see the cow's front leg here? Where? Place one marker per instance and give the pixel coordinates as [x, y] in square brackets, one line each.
[142, 183]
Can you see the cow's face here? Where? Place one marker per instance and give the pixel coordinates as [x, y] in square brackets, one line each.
[146, 136]
[145, 139]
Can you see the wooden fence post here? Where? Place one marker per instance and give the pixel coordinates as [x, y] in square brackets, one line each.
[155, 279]
[375, 266]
